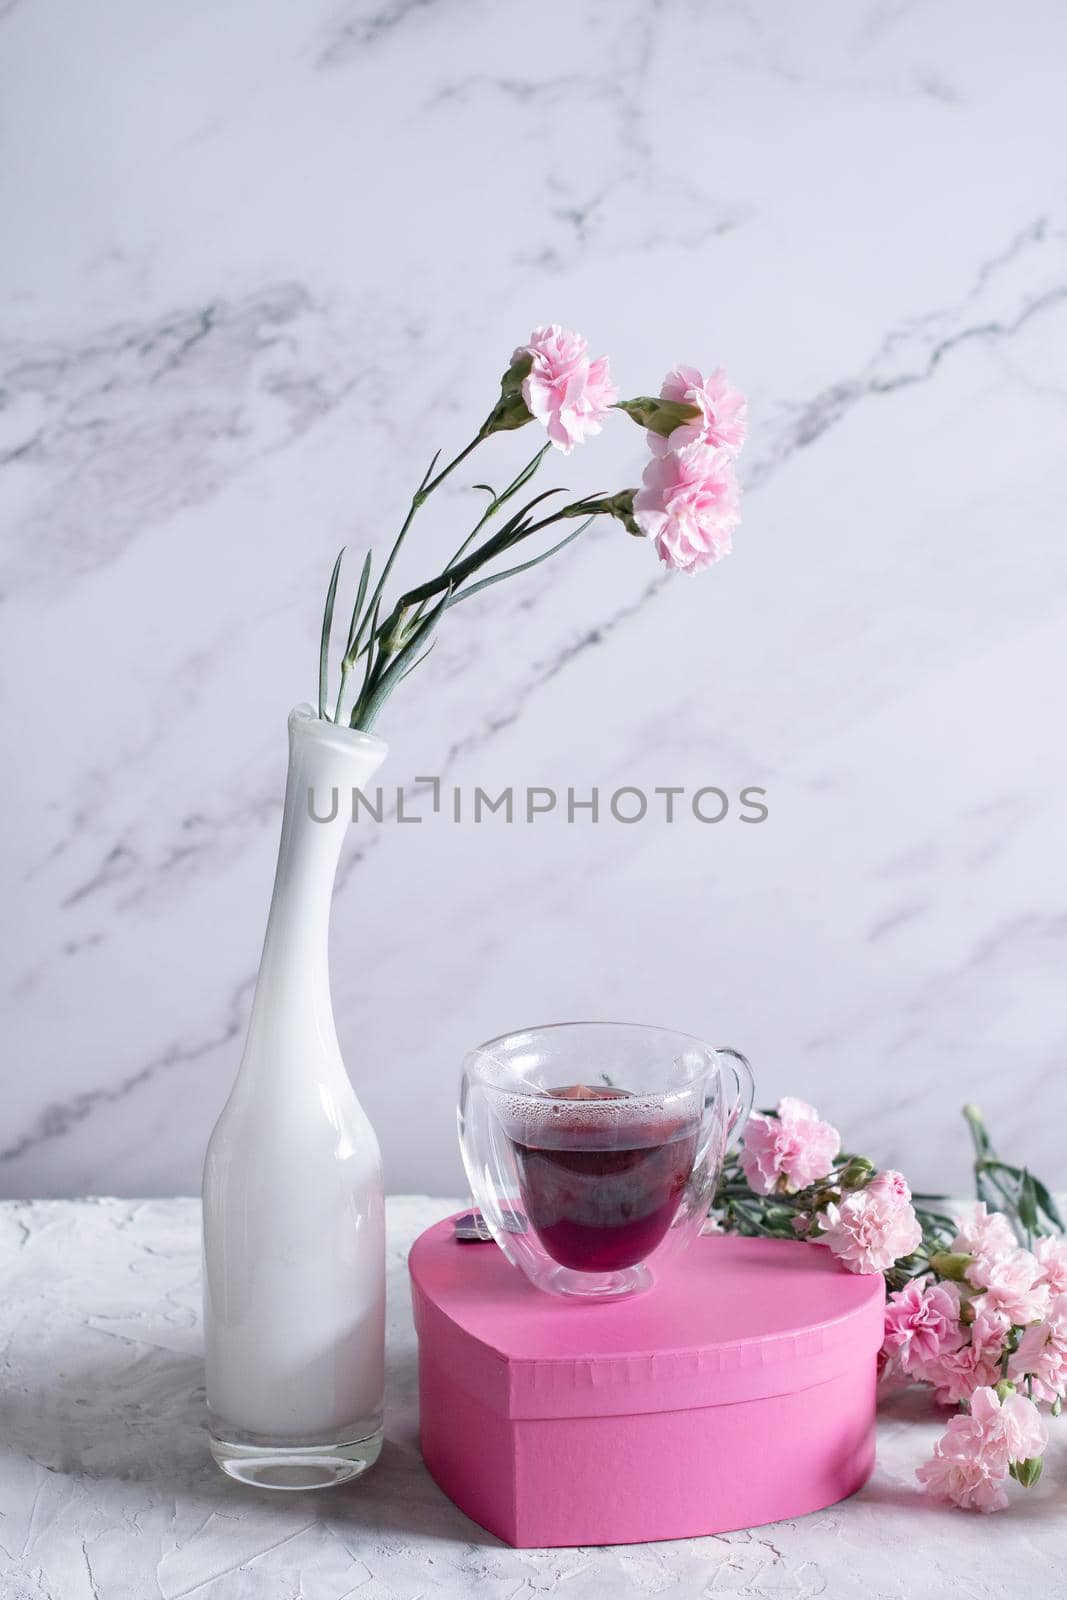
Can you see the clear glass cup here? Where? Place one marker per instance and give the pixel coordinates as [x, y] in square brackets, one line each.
[593, 1149]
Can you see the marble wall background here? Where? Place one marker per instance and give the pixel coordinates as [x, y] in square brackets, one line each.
[260, 259]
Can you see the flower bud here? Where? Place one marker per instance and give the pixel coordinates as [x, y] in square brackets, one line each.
[1027, 1472]
[659, 416]
[856, 1174]
[1003, 1389]
[951, 1264]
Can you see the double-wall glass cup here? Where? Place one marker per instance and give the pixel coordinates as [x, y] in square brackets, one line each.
[593, 1149]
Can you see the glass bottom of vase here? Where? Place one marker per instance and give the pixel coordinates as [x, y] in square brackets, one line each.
[297, 1467]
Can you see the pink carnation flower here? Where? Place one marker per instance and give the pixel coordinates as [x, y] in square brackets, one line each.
[1051, 1252]
[955, 1374]
[722, 412]
[921, 1323]
[957, 1472]
[788, 1151]
[1013, 1284]
[564, 390]
[689, 506]
[874, 1227]
[970, 1462]
[1042, 1354]
[1012, 1429]
[984, 1233]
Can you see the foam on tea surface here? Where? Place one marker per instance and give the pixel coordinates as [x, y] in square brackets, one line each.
[576, 1116]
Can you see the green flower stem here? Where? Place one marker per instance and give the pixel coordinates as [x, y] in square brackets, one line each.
[360, 642]
[772, 1216]
[514, 531]
[348, 660]
[421, 495]
[391, 666]
[1010, 1189]
[427, 489]
[491, 510]
[1024, 1199]
[390, 641]
[384, 639]
[497, 501]
[979, 1133]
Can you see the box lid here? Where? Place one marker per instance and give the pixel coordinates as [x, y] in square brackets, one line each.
[732, 1319]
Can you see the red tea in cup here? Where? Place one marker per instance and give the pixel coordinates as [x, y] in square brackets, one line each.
[601, 1187]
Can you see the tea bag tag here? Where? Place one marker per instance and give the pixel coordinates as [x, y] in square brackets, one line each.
[472, 1228]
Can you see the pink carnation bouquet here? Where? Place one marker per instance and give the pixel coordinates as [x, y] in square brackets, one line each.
[976, 1306]
[688, 505]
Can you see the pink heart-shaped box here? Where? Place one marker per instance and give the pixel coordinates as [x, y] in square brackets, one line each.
[738, 1391]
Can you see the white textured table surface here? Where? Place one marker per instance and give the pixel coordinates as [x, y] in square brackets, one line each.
[107, 1491]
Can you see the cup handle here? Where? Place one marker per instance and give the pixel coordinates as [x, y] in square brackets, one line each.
[745, 1081]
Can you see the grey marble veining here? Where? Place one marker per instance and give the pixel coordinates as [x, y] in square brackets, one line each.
[261, 262]
[108, 1491]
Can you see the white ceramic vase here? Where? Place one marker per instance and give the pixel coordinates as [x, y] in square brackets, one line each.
[294, 1212]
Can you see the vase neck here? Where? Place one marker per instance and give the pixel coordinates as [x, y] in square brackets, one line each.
[293, 986]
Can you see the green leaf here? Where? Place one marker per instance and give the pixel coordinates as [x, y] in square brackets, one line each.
[520, 516]
[429, 472]
[524, 476]
[324, 645]
[402, 663]
[984, 1192]
[361, 595]
[936, 1219]
[979, 1134]
[1028, 1203]
[1047, 1203]
[409, 670]
[509, 534]
[524, 566]
[370, 651]
[994, 1164]
[998, 1184]
[355, 719]
[496, 501]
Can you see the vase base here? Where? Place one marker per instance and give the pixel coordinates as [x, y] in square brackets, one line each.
[297, 1467]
